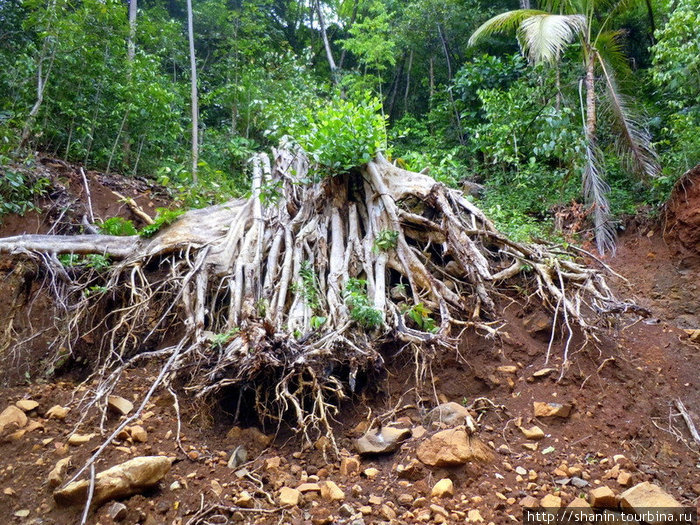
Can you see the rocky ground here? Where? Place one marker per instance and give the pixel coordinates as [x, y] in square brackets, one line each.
[504, 433]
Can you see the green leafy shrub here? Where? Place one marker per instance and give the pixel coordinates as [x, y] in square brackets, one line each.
[420, 315]
[164, 217]
[118, 226]
[19, 191]
[307, 286]
[386, 240]
[341, 134]
[95, 261]
[361, 309]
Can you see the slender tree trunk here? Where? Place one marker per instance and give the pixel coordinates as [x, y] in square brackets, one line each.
[398, 73]
[525, 4]
[557, 66]
[458, 119]
[195, 105]
[652, 24]
[432, 82]
[131, 47]
[41, 79]
[591, 120]
[408, 82]
[445, 50]
[130, 53]
[326, 43]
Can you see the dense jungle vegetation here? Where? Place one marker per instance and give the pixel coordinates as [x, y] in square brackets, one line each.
[559, 117]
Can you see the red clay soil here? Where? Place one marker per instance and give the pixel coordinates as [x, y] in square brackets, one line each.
[622, 393]
[682, 230]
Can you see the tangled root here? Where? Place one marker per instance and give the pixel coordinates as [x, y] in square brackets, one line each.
[290, 294]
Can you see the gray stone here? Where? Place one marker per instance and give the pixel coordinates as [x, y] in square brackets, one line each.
[381, 441]
[451, 414]
[117, 511]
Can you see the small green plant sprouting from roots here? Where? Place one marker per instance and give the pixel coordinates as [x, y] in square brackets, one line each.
[291, 298]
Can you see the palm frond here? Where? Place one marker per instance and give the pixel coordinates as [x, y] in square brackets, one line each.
[633, 140]
[543, 37]
[503, 23]
[595, 191]
[610, 45]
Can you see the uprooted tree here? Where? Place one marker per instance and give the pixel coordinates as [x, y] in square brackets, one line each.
[290, 293]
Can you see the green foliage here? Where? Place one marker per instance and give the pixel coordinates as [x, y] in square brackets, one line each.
[118, 226]
[220, 340]
[340, 134]
[361, 310]
[385, 241]
[307, 287]
[317, 321]
[421, 316]
[164, 217]
[69, 259]
[93, 260]
[676, 73]
[19, 191]
[520, 202]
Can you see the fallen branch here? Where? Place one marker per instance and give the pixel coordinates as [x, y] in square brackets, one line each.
[688, 420]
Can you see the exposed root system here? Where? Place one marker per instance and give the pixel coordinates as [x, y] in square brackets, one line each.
[287, 296]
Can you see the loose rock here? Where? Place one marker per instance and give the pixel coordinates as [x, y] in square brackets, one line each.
[120, 481]
[330, 491]
[452, 447]
[647, 495]
[58, 473]
[238, 457]
[26, 405]
[289, 496]
[451, 414]
[80, 439]
[119, 405]
[57, 412]
[443, 488]
[138, 434]
[117, 511]
[11, 418]
[533, 432]
[381, 441]
[543, 409]
[602, 497]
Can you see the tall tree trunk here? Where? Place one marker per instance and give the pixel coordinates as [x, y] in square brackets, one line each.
[591, 120]
[432, 82]
[326, 43]
[408, 82]
[195, 105]
[130, 53]
[652, 24]
[42, 77]
[525, 4]
[458, 119]
[131, 48]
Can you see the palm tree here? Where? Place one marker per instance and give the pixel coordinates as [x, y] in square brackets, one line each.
[543, 35]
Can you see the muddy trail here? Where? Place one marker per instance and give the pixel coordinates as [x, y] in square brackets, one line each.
[504, 430]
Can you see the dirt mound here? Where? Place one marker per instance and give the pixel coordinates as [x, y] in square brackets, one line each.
[65, 209]
[683, 218]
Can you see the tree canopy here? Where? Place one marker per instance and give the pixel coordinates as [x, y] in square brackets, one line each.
[84, 81]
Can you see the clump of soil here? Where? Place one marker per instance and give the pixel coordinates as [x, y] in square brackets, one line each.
[682, 230]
